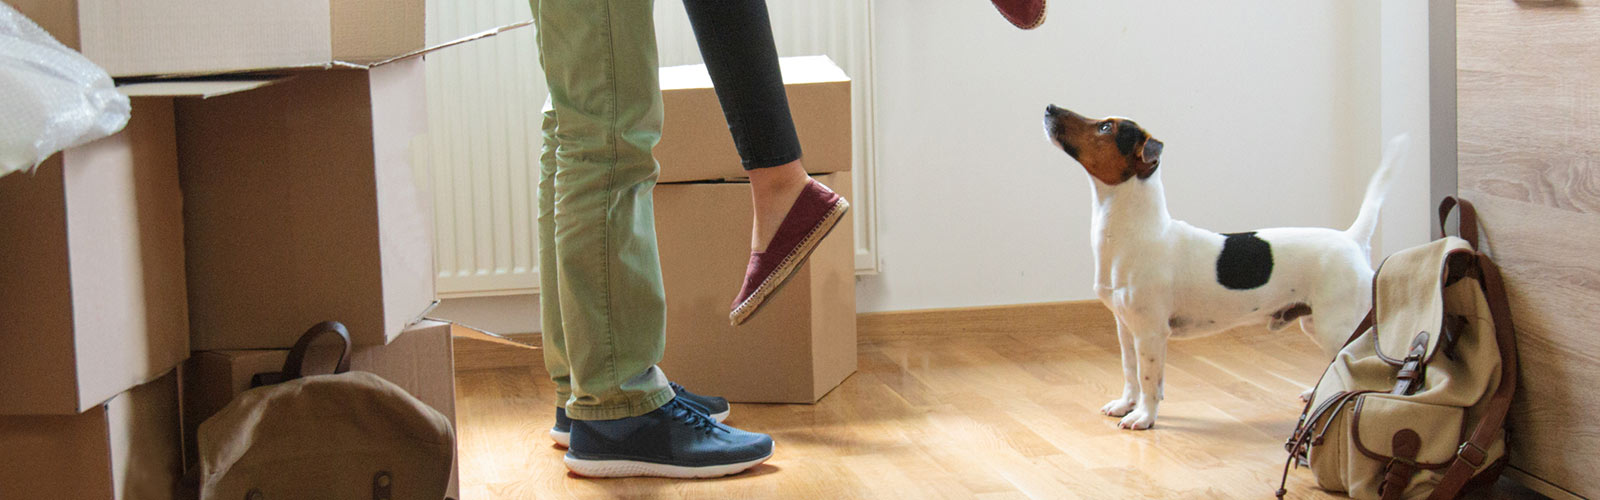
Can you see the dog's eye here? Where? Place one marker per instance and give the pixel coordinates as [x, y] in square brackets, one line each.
[1105, 127]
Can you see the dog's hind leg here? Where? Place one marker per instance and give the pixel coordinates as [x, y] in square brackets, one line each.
[1151, 352]
[1130, 375]
[1338, 311]
[1336, 316]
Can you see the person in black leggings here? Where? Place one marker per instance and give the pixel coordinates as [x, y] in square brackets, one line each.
[791, 211]
[736, 42]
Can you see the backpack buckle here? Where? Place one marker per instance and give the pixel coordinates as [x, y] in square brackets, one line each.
[1476, 458]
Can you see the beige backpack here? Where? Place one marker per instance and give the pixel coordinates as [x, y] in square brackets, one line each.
[342, 436]
[1414, 406]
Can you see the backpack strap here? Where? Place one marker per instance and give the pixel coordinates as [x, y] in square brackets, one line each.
[1361, 328]
[1469, 219]
[1472, 453]
[293, 366]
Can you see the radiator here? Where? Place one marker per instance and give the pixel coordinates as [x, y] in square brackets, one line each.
[482, 149]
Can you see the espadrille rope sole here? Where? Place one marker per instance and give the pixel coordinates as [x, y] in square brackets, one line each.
[790, 263]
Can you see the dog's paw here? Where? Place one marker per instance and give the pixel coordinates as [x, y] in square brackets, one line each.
[1139, 419]
[1117, 407]
[1305, 397]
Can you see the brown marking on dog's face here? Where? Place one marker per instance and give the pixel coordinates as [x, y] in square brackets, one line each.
[1113, 149]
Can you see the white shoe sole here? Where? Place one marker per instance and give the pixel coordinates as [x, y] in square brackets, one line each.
[633, 468]
[561, 438]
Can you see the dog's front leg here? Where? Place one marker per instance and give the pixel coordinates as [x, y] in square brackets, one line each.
[1151, 351]
[1130, 375]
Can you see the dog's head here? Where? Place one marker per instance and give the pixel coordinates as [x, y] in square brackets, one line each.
[1113, 150]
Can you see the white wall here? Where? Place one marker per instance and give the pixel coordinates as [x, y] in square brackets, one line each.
[1272, 113]
[1405, 108]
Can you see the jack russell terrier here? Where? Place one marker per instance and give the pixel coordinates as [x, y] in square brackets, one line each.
[1163, 278]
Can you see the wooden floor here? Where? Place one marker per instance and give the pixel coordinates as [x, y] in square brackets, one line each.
[979, 415]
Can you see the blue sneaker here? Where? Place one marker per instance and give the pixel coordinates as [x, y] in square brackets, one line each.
[675, 440]
[716, 408]
[561, 433]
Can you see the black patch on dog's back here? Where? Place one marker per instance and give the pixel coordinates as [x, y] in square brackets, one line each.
[1245, 262]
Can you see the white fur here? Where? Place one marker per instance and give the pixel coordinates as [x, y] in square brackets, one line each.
[1151, 269]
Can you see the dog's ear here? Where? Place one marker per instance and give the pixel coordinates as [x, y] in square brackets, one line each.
[1149, 157]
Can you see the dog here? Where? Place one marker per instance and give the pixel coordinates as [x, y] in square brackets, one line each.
[1163, 278]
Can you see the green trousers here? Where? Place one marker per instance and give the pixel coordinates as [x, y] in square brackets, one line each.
[603, 306]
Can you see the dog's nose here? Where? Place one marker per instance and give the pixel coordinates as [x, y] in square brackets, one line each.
[1052, 110]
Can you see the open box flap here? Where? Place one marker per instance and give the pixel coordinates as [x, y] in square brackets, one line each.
[469, 38]
[338, 64]
[202, 88]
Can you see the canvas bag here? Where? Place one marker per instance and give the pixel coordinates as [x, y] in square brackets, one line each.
[1414, 405]
[342, 436]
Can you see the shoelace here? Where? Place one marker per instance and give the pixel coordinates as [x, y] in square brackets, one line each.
[683, 413]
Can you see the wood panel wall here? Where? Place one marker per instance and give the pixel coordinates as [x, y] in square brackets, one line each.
[1528, 90]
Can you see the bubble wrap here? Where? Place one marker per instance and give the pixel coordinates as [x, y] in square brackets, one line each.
[51, 97]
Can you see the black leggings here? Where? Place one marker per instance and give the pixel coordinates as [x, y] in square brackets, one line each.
[735, 40]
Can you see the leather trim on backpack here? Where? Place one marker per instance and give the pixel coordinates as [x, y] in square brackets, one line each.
[1492, 426]
[1454, 262]
[1355, 436]
[1397, 473]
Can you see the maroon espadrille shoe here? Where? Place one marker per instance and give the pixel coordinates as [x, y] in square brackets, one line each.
[810, 219]
[1025, 14]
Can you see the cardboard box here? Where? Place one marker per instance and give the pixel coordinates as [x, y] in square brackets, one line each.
[419, 361]
[301, 205]
[126, 448]
[801, 344]
[166, 37]
[91, 270]
[695, 144]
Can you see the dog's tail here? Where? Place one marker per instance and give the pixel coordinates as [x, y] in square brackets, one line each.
[1367, 221]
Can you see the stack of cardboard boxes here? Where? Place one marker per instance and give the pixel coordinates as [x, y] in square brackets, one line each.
[802, 343]
[146, 276]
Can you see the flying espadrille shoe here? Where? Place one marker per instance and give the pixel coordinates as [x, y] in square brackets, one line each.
[813, 215]
[1025, 14]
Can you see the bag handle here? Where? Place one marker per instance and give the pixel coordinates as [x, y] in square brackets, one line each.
[1367, 322]
[293, 366]
[1476, 448]
[1469, 219]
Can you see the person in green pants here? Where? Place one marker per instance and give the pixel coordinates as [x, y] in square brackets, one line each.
[604, 311]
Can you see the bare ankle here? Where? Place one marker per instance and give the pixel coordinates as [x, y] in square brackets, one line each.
[782, 179]
[772, 191]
